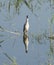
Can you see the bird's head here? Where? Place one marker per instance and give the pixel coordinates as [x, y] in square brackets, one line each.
[27, 16]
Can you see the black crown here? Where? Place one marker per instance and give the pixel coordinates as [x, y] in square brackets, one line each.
[27, 16]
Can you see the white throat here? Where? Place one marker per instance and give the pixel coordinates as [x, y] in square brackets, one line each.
[27, 20]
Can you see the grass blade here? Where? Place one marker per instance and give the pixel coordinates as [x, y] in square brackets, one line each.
[27, 4]
[8, 57]
[1, 41]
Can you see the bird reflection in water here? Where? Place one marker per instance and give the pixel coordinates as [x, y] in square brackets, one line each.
[26, 41]
[25, 34]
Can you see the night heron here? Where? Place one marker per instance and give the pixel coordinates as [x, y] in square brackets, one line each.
[26, 25]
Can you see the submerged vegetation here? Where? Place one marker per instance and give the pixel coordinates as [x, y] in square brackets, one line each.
[12, 60]
[17, 4]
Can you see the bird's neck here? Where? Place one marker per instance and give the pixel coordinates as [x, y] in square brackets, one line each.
[27, 20]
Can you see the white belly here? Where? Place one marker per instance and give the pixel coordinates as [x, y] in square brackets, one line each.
[27, 26]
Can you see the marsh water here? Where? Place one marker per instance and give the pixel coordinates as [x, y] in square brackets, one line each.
[40, 50]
